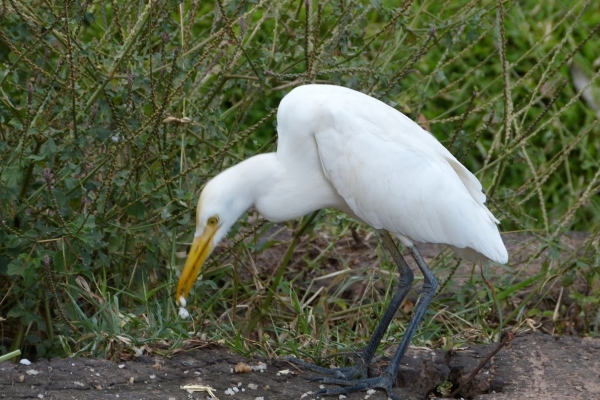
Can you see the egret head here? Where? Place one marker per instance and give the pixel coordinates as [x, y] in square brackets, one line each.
[221, 203]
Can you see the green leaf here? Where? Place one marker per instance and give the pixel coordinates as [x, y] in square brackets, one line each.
[376, 4]
[17, 266]
[568, 278]
[15, 123]
[49, 148]
[89, 18]
[137, 210]
[36, 158]
[12, 176]
[15, 312]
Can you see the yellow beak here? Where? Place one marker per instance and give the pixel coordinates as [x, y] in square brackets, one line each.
[201, 249]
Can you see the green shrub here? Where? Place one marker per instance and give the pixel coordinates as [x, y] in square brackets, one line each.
[113, 115]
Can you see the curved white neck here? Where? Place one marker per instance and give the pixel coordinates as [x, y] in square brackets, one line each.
[278, 194]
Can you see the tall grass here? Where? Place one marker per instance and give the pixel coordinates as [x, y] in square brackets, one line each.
[113, 115]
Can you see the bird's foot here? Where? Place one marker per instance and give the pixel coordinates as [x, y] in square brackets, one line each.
[360, 370]
[354, 379]
[383, 381]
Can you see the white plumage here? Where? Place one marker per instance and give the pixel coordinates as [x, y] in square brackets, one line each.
[343, 149]
[390, 172]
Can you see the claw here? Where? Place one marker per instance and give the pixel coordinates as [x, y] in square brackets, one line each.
[358, 371]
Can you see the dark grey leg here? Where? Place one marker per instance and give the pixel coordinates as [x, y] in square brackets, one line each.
[387, 378]
[360, 370]
[430, 286]
[404, 284]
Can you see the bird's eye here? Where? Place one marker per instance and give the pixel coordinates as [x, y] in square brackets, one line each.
[213, 220]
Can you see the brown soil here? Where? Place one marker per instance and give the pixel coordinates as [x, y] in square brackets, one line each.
[534, 366]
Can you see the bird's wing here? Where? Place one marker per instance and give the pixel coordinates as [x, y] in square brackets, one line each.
[396, 176]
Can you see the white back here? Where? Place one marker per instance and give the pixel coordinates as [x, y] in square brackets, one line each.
[390, 172]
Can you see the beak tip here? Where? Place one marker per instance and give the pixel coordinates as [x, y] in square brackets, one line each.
[183, 312]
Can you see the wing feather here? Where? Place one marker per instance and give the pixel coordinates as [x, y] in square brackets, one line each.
[396, 176]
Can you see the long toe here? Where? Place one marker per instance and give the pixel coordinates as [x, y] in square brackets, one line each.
[346, 373]
[352, 378]
[359, 385]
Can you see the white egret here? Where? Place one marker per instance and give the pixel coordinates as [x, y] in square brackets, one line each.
[342, 149]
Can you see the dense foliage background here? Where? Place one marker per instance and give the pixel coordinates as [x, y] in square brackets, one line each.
[113, 115]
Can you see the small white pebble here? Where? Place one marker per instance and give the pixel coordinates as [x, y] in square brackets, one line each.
[25, 361]
[183, 313]
[253, 386]
[231, 370]
[239, 384]
[32, 372]
[235, 389]
[259, 398]
[341, 397]
[152, 376]
[229, 392]
[121, 366]
[261, 367]
[40, 396]
[371, 391]
[321, 386]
